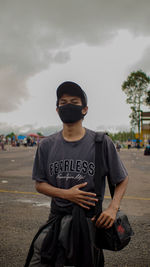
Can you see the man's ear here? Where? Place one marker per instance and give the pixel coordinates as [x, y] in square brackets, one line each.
[57, 109]
[85, 110]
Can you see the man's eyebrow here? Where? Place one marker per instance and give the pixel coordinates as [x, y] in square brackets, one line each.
[73, 98]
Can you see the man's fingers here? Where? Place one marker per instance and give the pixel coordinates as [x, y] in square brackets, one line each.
[104, 222]
[87, 202]
[101, 220]
[93, 219]
[110, 224]
[82, 197]
[81, 185]
[88, 193]
[84, 192]
[83, 206]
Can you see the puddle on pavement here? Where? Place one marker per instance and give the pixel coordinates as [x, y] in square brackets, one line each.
[4, 181]
[35, 203]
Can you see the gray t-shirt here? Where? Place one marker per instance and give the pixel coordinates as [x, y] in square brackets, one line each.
[65, 164]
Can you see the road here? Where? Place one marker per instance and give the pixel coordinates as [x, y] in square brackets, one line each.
[23, 210]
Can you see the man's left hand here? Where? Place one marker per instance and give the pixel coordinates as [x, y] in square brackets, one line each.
[106, 218]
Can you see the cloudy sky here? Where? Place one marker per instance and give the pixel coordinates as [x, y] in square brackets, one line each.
[94, 43]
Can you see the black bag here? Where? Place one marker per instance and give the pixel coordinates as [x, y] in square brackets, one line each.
[119, 235]
[116, 237]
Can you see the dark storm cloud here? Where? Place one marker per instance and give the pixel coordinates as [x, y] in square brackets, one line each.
[37, 33]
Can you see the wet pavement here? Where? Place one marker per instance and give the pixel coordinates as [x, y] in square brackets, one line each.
[23, 210]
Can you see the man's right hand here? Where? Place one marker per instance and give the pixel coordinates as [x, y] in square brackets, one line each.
[82, 198]
[73, 194]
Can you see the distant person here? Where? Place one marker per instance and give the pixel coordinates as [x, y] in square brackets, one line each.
[118, 146]
[31, 142]
[64, 170]
[25, 142]
[137, 143]
[17, 142]
[28, 141]
[2, 142]
[129, 143]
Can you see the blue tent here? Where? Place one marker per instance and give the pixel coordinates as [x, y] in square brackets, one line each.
[135, 140]
[21, 137]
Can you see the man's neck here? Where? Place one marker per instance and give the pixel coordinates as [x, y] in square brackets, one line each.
[73, 131]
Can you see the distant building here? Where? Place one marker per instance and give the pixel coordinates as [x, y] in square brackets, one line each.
[145, 126]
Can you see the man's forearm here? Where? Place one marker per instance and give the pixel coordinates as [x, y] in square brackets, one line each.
[118, 194]
[50, 190]
[107, 217]
[74, 194]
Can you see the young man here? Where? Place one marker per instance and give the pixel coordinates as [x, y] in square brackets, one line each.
[64, 169]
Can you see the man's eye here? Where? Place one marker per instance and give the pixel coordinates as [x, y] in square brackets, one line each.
[62, 103]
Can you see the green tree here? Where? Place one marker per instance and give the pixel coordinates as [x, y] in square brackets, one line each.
[10, 135]
[122, 136]
[148, 99]
[136, 89]
[40, 134]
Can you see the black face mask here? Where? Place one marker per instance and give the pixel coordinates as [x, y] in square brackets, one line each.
[70, 113]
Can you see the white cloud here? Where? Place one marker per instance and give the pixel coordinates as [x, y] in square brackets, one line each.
[144, 61]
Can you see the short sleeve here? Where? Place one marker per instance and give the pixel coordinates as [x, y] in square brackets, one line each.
[39, 168]
[116, 169]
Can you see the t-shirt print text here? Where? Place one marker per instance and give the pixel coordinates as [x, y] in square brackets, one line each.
[68, 177]
[78, 168]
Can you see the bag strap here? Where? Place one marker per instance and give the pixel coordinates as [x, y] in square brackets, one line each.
[100, 164]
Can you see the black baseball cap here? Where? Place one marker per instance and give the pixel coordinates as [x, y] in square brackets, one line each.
[72, 89]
